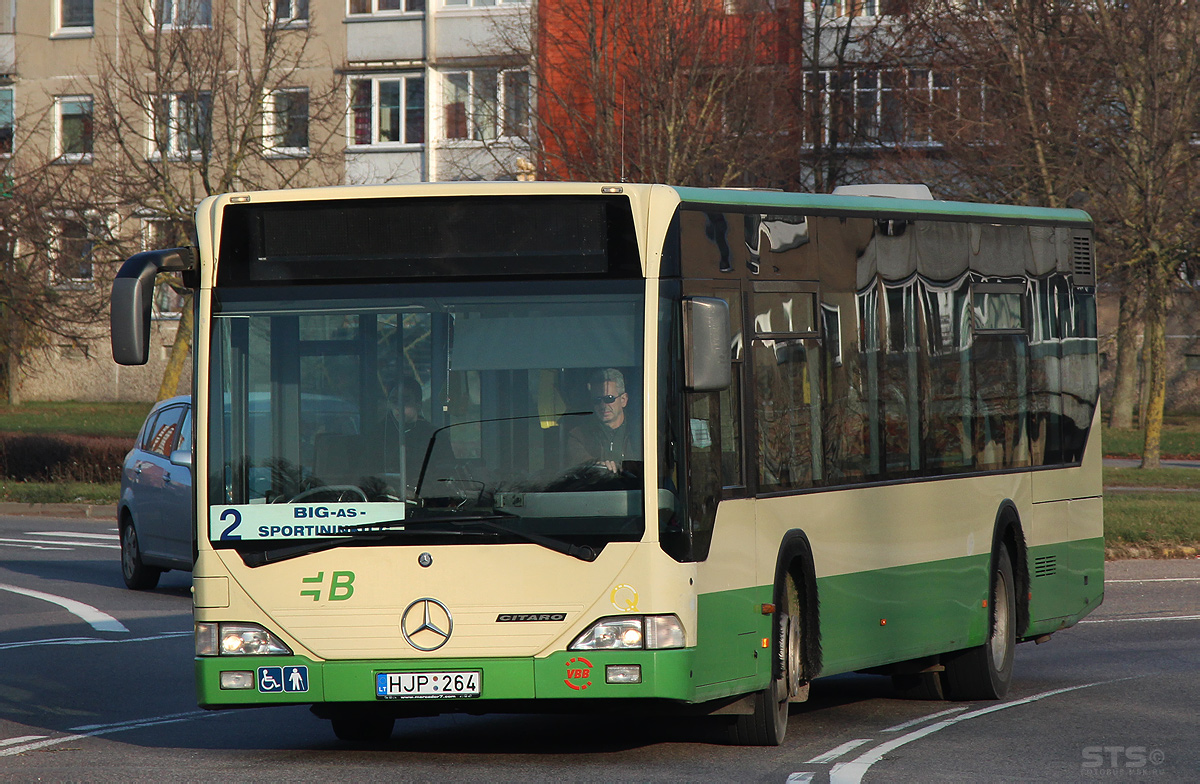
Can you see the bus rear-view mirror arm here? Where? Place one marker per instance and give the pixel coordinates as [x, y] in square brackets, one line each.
[707, 350]
[132, 295]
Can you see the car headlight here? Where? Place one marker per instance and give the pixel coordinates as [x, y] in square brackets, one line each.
[237, 639]
[631, 632]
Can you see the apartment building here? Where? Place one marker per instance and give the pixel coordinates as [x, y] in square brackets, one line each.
[98, 93]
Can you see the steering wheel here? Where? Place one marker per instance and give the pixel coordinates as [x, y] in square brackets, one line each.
[341, 493]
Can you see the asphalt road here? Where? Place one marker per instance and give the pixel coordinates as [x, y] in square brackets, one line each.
[95, 684]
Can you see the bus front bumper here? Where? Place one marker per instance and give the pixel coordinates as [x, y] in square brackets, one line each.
[244, 681]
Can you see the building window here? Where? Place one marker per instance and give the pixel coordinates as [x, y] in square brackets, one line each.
[387, 110]
[184, 13]
[75, 16]
[181, 124]
[286, 118]
[378, 6]
[472, 101]
[291, 11]
[158, 234]
[74, 135]
[6, 120]
[481, 3]
[74, 249]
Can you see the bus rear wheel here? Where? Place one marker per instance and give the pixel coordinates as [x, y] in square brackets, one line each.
[985, 671]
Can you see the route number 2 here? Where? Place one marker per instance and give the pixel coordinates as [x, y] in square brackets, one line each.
[236, 517]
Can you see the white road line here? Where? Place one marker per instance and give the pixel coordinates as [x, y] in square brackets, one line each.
[88, 640]
[924, 719]
[1143, 620]
[838, 751]
[61, 542]
[98, 620]
[22, 739]
[852, 772]
[106, 537]
[35, 546]
[1157, 580]
[104, 729]
[800, 777]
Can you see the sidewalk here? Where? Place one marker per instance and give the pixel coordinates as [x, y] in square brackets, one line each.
[106, 512]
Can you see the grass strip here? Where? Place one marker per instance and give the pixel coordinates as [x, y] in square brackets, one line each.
[60, 492]
[1163, 522]
[1167, 478]
[87, 419]
[1180, 440]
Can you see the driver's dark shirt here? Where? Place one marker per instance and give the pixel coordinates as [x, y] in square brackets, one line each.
[594, 441]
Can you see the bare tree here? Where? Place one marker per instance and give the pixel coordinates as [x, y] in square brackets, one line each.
[673, 91]
[52, 244]
[205, 102]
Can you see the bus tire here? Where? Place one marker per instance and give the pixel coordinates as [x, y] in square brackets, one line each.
[363, 729]
[767, 725]
[919, 686]
[136, 574]
[985, 671]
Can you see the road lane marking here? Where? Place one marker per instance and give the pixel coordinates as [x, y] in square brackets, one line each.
[61, 542]
[97, 619]
[852, 772]
[1144, 619]
[89, 640]
[22, 739]
[837, 751]
[72, 534]
[800, 777]
[35, 547]
[923, 719]
[104, 729]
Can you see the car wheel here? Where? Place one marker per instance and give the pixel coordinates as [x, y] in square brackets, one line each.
[137, 575]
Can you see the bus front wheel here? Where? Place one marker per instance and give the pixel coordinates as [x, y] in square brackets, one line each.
[985, 671]
[767, 725]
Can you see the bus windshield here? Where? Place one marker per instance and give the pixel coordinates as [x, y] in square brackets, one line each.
[352, 404]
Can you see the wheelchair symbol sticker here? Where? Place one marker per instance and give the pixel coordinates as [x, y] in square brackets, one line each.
[274, 680]
[270, 679]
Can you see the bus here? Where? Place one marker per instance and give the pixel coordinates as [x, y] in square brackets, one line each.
[627, 447]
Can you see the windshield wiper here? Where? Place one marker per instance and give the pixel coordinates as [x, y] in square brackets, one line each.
[388, 528]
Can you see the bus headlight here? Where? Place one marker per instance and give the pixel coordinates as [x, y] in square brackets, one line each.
[237, 639]
[631, 632]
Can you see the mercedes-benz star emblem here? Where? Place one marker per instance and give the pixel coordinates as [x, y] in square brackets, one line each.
[428, 621]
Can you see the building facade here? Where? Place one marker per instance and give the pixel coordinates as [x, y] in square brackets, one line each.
[139, 108]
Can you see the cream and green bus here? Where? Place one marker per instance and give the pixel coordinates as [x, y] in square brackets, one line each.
[564, 447]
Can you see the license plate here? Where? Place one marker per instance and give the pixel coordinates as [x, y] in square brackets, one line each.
[426, 685]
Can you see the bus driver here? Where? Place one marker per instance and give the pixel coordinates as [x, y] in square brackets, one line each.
[610, 438]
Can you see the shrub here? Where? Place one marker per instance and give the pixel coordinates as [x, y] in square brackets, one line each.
[40, 457]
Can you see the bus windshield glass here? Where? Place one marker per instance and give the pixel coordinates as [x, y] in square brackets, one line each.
[416, 407]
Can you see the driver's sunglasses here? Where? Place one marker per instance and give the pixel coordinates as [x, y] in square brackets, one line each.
[605, 399]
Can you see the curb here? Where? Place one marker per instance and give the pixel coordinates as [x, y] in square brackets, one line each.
[76, 511]
[1151, 551]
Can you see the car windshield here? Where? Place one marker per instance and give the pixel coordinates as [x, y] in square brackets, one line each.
[348, 405]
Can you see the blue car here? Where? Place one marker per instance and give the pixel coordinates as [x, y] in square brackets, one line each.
[155, 513]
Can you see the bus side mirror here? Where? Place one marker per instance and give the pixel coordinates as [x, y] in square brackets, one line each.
[132, 295]
[706, 339]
